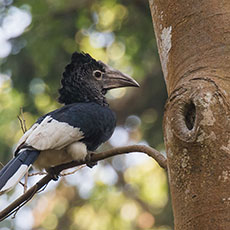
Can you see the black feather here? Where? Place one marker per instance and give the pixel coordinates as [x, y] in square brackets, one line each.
[78, 84]
[25, 157]
[95, 121]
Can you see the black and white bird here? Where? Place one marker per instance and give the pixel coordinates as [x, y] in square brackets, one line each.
[72, 131]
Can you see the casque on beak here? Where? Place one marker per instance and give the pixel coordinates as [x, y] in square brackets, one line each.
[115, 79]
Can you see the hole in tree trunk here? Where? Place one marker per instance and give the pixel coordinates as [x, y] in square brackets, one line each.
[190, 115]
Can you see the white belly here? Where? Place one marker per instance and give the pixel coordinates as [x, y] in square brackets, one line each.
[50, 158]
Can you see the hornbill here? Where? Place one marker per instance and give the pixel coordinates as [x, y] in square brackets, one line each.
[74, 130]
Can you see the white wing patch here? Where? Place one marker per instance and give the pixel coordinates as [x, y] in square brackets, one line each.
[15, 178]
[26, 135]
[51, 134]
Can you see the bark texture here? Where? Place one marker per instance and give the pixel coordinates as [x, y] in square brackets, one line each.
[193, 39]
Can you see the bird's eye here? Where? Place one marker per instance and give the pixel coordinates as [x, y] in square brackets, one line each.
[97, 74]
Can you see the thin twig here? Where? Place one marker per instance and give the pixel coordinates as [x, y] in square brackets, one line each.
[23, 199]
[2, 164]
[23, 120]
[72, 172]
[37, 174]
[21, 123]
[26, 180]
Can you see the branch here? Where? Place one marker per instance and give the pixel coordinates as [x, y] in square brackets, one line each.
[23, 199]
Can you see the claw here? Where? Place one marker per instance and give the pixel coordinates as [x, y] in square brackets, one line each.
[53, 174]
[89, 161]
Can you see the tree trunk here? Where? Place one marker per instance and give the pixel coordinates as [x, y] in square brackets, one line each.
[193, 39]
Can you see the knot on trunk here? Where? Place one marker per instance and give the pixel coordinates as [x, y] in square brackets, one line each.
[189, 114]
[192, 107]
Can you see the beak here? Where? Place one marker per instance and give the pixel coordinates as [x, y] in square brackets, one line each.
[115, 79]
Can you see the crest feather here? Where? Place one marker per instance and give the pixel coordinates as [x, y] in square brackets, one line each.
[81, 58]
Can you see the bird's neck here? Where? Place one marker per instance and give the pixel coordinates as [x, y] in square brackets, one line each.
[68, 96]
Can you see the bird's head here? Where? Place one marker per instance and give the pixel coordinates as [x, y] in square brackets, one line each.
[86, 80]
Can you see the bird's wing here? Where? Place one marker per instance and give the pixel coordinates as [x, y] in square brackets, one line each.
[25, 136]
[50, 134]
[88, 122]
[53, 134]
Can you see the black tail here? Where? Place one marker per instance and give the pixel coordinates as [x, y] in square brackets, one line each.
[15, 169]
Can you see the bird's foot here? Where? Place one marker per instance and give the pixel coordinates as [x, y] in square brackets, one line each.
[53, 174]
[89, 161]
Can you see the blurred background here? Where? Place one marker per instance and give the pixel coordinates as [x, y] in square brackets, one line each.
[37, 39]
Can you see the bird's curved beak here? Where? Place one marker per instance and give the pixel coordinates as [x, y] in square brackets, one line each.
[115, 79]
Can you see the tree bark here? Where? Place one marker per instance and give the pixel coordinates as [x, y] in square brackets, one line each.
[193, 39]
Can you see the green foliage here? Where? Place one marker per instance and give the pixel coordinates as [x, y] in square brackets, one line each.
[119, 33]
